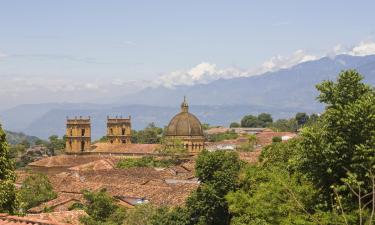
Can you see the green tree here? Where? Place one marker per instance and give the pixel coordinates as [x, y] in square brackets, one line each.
[234, 125]
[265, 119]
[301, 118]
[8, 199]
[250, 121]
[56, 144]
[34, 190]
[284, 125]
[271, 196]
[102, 209]
[150, 135]
[218, 173]
[343, 139]
[174, 148]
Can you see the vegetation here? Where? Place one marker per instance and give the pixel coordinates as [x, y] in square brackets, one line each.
[249, 145]
[218, 173]
[234, 125]
[262, 120]
[8, 199]
[150, 135]
[343, 141]
[56, 145]
[145, 161]
[34, 190]
[326, 176]
[228, 135]
[101, 209]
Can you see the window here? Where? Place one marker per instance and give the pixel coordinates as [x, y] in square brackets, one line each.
[111, 131]
[71, 132]
[82, 146]
[82, 132]
[123, 131]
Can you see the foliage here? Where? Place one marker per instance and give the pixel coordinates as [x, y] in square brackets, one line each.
[218, 173]
[34, 190]
[56, 144]
[343, 139]
[173, 216]
[102, 209]
[250, 121]
[249, 145]
[228, 135]
[234, 125]
[284, 125]
[265, 119]
[276, 139]
[206, 126]
[281, 154]
[302, 118]
[271, 196]
[262, 120]
[173, 147]
[150, 135]
[145, 161]
[8, 198]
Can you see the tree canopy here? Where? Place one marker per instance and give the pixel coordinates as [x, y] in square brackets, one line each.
[8, 201]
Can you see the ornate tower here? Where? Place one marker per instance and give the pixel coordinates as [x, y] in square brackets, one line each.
[119, 130]
[78, 135]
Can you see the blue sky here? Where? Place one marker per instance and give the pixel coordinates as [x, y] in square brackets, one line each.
[115, 47]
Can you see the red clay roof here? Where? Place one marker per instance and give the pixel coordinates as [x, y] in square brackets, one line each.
[18, 220]
[125, 148]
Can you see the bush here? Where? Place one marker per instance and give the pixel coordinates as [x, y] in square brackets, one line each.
[35, 190]
[228, 135]
[102, 209]
[146, 161]
[234, 125]
[276, 139]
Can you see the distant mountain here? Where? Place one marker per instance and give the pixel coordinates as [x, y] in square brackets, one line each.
[17, 138]
[281, 93]
[293, 87]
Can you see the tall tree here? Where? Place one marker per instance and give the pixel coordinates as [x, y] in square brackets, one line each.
[343, 139]
[218, 172]
[301, 118]
[8, 200]
[265, 119]
[249, 121]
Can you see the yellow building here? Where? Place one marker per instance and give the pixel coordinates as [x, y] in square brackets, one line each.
[186, 127]
[78, 135]
[119, 130]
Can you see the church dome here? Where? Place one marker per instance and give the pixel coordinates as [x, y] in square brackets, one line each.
[184, 123]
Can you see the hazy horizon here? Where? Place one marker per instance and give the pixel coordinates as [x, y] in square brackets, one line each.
[94, 51]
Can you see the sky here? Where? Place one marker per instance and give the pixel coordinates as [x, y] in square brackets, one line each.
[96, 51]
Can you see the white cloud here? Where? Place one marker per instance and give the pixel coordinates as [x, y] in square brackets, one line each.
[206, 72]
[363, 49]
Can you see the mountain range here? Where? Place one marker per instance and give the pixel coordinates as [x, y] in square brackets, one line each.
[281, 93]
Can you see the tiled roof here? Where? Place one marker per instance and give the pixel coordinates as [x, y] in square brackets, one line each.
[18, 220]
[63, 217]
[125, 148]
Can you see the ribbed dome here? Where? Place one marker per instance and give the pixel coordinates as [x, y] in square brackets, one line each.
[184, 123]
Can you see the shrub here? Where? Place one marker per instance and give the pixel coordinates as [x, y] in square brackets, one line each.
[35, 190]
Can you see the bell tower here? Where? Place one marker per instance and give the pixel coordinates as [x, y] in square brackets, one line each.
[78, 135]
[119, 130]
